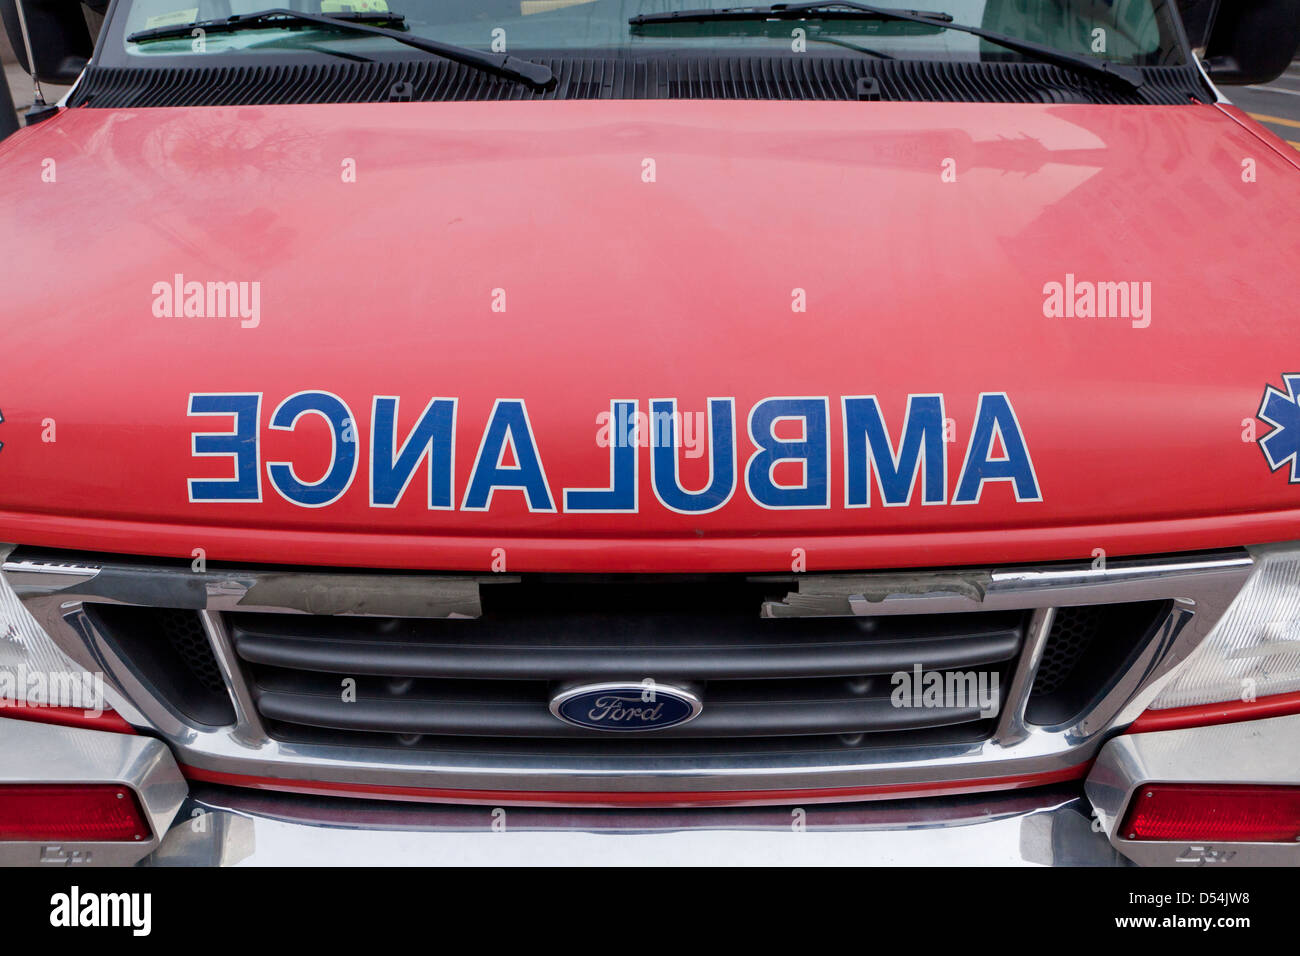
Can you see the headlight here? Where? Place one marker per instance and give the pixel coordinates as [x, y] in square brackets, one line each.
[33, 671]
[1254, 650]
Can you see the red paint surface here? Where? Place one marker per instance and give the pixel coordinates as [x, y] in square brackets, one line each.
[622, 289]
[614, 798]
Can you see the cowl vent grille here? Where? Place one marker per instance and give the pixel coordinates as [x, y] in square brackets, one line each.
[663, 77]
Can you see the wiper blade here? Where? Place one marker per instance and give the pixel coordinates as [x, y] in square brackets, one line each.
[536, 75]
[792, 11]
[1127, 76]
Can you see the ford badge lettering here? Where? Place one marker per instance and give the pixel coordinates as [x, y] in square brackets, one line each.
[626, 706]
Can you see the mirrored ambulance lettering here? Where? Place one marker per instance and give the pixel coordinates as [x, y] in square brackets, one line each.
[787, 462]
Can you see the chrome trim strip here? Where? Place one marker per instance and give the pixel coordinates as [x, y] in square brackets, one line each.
[1247, 752]
[1201, 587]
[34, 752]
[1011, 727]
[248, 723]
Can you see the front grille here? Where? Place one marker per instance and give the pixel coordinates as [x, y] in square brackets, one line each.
[475, 682]
[445, 680]
[493, 676]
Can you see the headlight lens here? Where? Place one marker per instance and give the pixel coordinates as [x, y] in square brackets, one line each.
[34, 672]
[1254, 650]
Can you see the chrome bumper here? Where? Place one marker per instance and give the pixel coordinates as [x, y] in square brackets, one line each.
[222, 827]
[1049, 826]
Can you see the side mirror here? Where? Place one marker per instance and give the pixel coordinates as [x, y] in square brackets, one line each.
[61, 41]
[1245, 41]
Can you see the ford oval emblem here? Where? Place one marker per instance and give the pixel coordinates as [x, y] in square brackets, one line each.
[625, 706]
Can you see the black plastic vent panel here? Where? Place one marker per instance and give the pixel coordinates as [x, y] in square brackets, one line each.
[171, 651]
[185, 633]
[1086, 647]
[664, 77]
[1073, 631]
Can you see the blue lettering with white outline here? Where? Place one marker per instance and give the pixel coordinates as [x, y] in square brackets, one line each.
[722, 457]
[508, 424]
[997, 451]
[995, 418]
[868, 451]
[343, 451]
[811, 450]
[621, 495]
[433, 437]
[240, 444]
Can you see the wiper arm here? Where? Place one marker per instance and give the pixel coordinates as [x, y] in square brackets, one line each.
[1127, 76]
[536, 75]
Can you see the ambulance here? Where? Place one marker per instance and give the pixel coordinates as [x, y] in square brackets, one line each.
[425, 418]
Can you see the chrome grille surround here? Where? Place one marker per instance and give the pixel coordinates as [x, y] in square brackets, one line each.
[56, 588]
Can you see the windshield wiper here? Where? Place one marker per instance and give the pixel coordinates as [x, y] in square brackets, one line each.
[536, 75]
[792, 11]
[1127, 76]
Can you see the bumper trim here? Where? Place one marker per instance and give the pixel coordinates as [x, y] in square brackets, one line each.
[1205, 715]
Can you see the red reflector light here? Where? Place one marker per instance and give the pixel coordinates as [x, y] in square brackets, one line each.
[1229, 812]
[71, 812]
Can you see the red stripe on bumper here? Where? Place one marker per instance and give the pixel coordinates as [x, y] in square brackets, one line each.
[109, 720]
[1206, 715]
[596, 798]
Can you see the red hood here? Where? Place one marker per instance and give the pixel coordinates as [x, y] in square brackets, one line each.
[618, 288]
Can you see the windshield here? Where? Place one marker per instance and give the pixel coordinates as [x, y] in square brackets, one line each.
[1138, 32]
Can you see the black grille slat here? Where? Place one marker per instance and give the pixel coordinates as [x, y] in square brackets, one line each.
[531, 659]
[510, 718]
[632, 750]
[643, 77]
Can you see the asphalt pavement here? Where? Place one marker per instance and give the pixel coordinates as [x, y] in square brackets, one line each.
[1275, 105]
